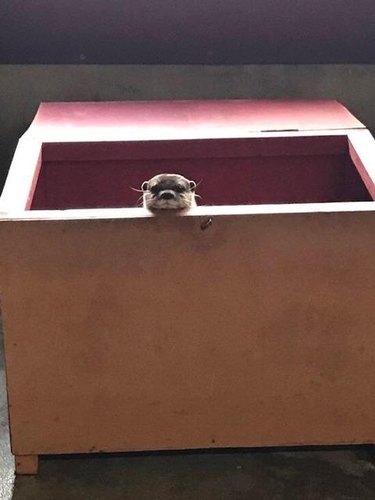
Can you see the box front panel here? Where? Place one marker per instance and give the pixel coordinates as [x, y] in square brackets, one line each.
[153, 334]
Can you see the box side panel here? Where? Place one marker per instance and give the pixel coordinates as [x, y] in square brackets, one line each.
[153, 334]
[22, 178]
[362, 152]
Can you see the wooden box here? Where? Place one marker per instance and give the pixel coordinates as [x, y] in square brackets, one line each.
[248, 321]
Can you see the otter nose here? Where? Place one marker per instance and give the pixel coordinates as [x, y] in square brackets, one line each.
[167, 195]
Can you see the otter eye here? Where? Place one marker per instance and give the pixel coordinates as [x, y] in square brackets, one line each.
[179, 188]
[154, 189]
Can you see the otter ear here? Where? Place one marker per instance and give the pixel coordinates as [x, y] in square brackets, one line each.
[193, 185]
[144, 186]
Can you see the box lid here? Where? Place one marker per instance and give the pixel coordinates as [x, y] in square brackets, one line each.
[169, 120]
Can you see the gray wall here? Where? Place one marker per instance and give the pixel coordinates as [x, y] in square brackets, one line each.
[23, 87]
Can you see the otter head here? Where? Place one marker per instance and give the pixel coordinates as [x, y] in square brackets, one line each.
[168, 192]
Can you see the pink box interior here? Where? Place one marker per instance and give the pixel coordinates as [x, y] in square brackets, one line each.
[298, 169]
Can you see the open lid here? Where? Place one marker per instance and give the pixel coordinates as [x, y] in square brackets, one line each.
[198, 119]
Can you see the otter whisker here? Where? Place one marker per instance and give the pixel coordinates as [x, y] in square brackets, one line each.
[139, 202]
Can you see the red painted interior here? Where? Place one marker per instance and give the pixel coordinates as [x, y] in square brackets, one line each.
[249, 171]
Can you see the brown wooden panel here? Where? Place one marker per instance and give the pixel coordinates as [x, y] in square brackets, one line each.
[150, 333]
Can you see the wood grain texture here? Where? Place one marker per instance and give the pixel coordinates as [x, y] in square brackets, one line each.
[141, 334]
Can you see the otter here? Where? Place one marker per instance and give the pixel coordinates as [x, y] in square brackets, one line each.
[169, 192]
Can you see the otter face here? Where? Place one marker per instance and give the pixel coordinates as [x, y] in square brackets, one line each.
[168, 192]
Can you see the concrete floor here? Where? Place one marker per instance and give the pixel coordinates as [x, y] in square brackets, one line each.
[335, 474]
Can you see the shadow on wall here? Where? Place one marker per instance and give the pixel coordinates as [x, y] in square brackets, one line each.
[23, 87]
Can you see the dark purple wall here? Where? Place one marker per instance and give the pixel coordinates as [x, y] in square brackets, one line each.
[187, 31]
